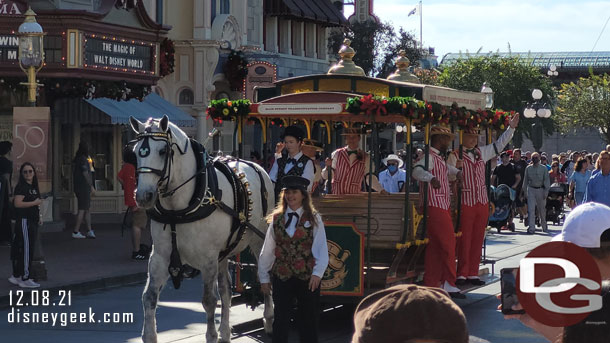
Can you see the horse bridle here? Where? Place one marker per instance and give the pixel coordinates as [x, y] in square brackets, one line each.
[144, 150]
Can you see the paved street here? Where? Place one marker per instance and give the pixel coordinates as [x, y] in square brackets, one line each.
[181, 316]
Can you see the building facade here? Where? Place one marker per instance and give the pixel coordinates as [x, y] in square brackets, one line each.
[102, 57]
[276, 38]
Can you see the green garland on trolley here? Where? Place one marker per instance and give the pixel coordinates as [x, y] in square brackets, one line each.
[422, 112]
[225, 109]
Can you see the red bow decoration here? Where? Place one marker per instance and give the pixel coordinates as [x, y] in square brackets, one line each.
[370, 105]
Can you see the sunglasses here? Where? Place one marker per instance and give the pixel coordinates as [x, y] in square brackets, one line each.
[28, 171]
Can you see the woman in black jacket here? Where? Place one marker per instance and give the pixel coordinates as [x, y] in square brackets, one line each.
[28, 219]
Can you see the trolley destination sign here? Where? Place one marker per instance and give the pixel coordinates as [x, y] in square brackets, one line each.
[120, 55]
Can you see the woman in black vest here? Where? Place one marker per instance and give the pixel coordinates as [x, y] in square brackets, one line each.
[292, 163]
[293, 261]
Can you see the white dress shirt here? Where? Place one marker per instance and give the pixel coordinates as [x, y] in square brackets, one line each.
[422, 175]
[308, 171]
[319, 248]
[392, 183]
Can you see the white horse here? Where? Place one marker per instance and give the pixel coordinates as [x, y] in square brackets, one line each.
[166, 161]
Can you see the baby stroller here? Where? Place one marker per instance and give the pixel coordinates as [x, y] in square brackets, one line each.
[554, 203]
[503, 200]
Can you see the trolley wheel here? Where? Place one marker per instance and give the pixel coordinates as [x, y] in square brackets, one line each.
[511, 227]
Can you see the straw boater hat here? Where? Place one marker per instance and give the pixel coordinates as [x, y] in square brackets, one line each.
[471, 131]
[393, 157]
[441, 130]
[352, 131]
[312, 144]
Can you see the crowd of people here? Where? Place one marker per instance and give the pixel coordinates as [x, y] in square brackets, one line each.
[581, 177]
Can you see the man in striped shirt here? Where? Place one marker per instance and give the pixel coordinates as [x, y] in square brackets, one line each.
[350, 166]
[475, 204]
[440, 252]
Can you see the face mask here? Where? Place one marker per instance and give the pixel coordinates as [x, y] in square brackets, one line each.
[392, 168]
[535, 160]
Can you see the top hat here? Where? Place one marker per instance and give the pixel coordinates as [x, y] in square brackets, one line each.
[441, 130]
[295, 182]
[312, 144]
[293, 131]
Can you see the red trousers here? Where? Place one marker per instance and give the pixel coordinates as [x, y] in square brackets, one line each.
[440, 252]
[473, 221]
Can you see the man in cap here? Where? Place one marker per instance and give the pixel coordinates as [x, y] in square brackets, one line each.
[536, 184]
[440, 251]
[409, 313]
[588, 226]
[349, 166]
[393, 178]
[475, 204]
[293, 163]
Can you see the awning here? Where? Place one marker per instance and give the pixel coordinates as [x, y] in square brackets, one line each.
[151, 106]
[320, 11]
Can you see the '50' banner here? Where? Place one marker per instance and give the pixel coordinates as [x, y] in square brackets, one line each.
[31, 141]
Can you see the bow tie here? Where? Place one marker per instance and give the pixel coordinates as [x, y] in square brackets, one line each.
[291, 216]
[472, 151]
[291, 160]
[349, 152]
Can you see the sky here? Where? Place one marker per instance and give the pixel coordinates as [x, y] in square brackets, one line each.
[535, 25]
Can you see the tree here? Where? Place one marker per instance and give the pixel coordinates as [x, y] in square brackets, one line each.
[585, 103]
[512, 81]
[376, 46]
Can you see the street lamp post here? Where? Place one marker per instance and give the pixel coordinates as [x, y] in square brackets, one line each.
[489, 95]
[31, 60]
[31, 52]
[538, 110]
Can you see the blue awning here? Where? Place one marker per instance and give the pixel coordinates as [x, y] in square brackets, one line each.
[151, 106]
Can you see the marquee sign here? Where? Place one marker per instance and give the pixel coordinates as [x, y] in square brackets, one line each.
[11, 8]
[119, 55]
[8, 48]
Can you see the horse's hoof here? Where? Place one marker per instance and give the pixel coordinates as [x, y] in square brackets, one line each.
[268, 326]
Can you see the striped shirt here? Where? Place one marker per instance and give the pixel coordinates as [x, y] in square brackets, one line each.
[474, 190]
[438, 169]
[347, 177]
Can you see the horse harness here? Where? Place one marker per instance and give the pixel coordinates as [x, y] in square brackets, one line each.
[206, 198]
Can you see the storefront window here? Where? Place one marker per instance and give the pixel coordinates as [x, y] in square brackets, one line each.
[101, 148]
